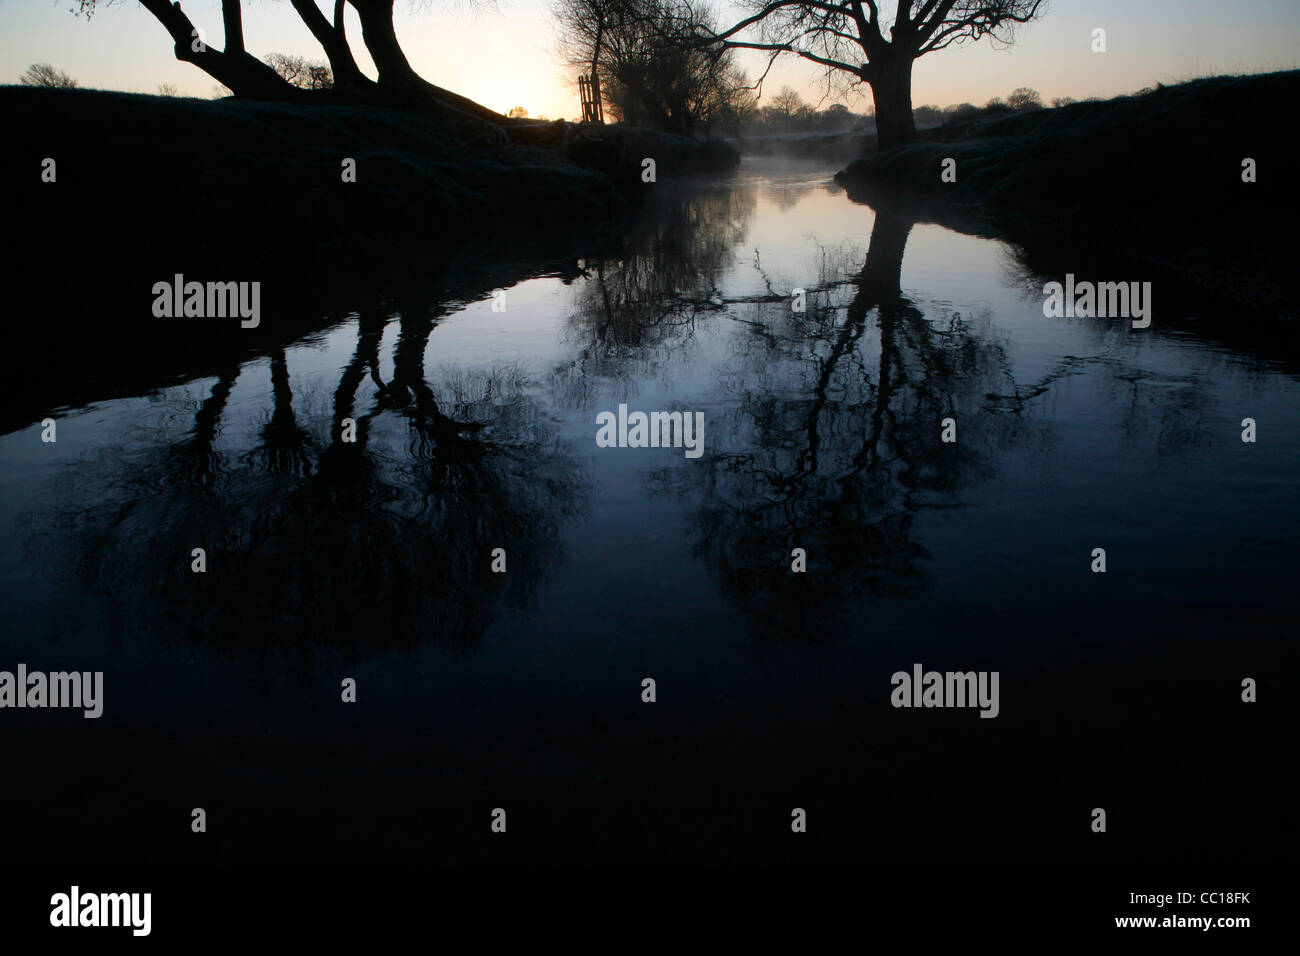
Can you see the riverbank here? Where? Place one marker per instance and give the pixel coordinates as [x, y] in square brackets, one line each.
[247, 183]
[332, 209]
[1154, 180]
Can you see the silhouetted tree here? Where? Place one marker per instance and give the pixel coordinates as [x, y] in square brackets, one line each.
[649, 68]
[866, 43]
[837, 115]
[42, 74]
[786, 103]
[927, 115]
[247, 76]
[1025, 99]
[960, 111]
[300, 72]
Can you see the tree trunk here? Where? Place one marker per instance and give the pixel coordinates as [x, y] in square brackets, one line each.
[244, 74]
[598, 110]
[348, 78]
[381, 40]
[891, 85]
[232, 21]
[399, 84]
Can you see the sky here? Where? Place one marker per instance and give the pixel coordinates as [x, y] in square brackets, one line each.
[502, 54]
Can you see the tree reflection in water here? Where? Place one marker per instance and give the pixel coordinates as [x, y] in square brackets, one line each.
[633, 314]
[380, 542]
[826, 432]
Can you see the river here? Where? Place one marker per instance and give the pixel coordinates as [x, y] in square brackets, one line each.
[350, 492]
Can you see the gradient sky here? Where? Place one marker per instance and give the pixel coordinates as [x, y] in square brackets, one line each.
[503, 54]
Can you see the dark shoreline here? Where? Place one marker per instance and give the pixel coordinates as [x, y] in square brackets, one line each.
[1147, 181]
[147, 187]
[228, 190]
[247, 183]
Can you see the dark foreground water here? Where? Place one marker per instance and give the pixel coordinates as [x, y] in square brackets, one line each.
[476, 429]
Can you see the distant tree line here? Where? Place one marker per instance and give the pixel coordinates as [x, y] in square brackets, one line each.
[788, 113]
[295, 70]
[1022, 100]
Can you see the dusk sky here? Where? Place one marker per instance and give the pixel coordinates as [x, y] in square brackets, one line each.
[503, 54]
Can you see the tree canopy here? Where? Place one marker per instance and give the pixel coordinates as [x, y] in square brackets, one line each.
[643, 59]
[865, 41]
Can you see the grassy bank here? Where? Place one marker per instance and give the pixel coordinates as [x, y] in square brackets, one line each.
[146, 187]
[251, 182]
[1154, 179]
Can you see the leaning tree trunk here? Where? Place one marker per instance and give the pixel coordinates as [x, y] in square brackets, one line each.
[891, 84]
[348, 78]
[402, 87]
[380, 37]
[399, 84]
[246, 75]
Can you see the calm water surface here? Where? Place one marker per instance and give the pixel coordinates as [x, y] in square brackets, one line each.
[476, 430]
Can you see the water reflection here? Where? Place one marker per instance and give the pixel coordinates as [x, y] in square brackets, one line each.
[825, 424]
[474, 430]
[633, 312]
[367, 519]
[382, 541]
[832, 444]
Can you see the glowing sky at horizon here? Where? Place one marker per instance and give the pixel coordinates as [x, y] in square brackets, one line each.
[503, 54]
